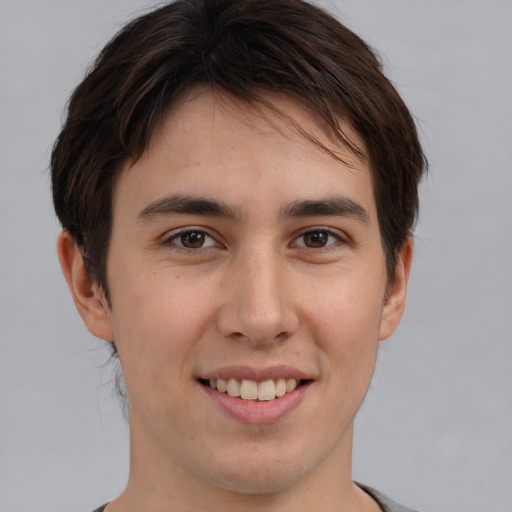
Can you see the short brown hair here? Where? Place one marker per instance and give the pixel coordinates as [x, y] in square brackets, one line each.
[242, 47]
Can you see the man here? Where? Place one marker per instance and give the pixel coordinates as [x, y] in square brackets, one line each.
[237, 183]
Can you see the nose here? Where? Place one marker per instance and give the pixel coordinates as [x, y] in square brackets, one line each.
[259, 305]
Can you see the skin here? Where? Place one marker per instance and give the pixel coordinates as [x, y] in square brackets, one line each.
[307, 291]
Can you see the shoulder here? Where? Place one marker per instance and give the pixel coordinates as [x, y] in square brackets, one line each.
[385, 503]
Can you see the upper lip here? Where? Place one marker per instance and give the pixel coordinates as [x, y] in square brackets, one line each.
[257, 374]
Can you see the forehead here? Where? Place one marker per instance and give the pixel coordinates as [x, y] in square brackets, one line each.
[209, 139]
[265, 114]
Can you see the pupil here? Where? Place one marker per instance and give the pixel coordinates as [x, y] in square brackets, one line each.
[192, 240]
[316, 239]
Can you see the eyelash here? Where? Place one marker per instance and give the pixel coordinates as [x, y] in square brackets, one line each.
[175, 238]
[338, 238]
[172, 239]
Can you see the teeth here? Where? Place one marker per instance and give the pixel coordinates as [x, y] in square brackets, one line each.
[280, 387]
[252, 390]
[266, 390]
[291, 384]
[222, 385]
[233, 388]
[249, 390]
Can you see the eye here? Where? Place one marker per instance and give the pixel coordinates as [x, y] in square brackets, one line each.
[191, 239]
[317, 239]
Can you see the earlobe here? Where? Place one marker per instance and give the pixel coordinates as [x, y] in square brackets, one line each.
[394, 304]
[88, 299]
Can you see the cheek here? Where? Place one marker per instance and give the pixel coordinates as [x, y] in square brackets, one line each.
[156, 323]
[345, 324]
[352, 305]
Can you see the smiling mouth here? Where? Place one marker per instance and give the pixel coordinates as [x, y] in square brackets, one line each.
[246, 389]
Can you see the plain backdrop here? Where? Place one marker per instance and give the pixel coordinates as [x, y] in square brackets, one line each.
[435, 431]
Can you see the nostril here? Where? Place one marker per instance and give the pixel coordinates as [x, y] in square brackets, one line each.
[238, 336]
[259, 337]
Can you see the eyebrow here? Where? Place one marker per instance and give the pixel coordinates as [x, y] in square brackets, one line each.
[338, 206]
[187, 205]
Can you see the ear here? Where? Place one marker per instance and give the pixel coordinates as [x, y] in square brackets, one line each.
[394, 304]
[89, 299]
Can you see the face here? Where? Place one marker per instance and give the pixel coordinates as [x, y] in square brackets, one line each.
[245, 257]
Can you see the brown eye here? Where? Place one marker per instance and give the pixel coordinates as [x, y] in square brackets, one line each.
[316, 239]
[192, 239]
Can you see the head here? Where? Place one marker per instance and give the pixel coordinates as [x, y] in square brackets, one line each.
[237, 181]
[244, 49]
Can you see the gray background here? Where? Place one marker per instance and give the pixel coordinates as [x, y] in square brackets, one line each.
[436, 428]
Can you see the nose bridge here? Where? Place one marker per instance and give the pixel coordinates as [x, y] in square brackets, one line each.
[258, 306]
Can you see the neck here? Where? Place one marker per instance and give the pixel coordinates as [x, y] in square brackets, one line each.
[158, 483]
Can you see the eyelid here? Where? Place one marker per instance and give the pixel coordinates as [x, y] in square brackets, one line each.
[170, 236]
[340, 235]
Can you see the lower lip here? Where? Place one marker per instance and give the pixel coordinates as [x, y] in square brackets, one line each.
[257, 412]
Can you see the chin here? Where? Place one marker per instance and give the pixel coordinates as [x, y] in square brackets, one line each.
[257, 471]
[258, 482]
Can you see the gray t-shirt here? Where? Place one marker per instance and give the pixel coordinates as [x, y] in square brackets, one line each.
[384, 502]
